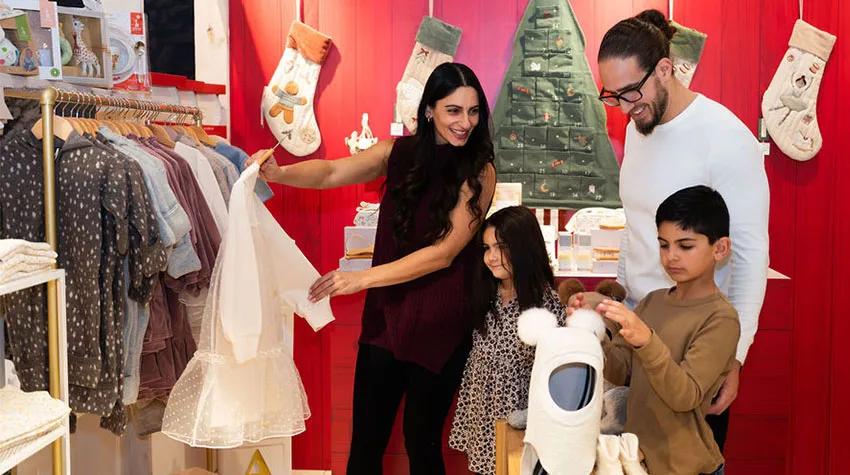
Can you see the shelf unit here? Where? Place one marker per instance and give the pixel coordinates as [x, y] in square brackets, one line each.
[58, 350]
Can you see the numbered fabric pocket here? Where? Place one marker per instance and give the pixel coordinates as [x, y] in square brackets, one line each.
[511, 137]
[551, 22]
[509, 161]
[558, 138]
[569, 90]
[535, 41]
[526, 180]
[546, 113]
[595, 189]
[522, 114]
[583, 164]
[545, 187]
[560, 65]
[559, 162]
[535, 66]
[569, 188]
[559, 41]
[546, 11]
[535, 162]
[523, 90]
[535, 138]
[570, 114]
[547, 90]
[581, 139]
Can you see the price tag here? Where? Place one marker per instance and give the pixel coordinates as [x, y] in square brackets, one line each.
[396, 129]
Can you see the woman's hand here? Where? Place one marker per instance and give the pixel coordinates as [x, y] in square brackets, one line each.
[269, 170]
[337, 283]
[632, 328]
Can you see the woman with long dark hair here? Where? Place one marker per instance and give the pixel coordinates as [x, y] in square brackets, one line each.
[417, 320]
[515, 275]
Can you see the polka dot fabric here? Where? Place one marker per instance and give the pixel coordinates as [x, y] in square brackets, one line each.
[102, 218]
[495, 383]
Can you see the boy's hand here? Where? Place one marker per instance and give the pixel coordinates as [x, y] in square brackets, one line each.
[632, 328]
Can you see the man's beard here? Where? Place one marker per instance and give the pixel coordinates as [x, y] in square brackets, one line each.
[657, 108]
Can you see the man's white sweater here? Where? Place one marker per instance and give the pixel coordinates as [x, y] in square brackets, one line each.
[704, 145]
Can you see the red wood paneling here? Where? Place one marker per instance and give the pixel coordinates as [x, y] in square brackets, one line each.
[790, 415]
[839, 417]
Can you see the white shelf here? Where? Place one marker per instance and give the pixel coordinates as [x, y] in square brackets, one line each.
[583, 273]
[14, 456]
[771, 275]
[30, 281]
[26, 450]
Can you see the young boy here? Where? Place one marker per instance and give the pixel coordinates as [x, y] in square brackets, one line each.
[679, 343]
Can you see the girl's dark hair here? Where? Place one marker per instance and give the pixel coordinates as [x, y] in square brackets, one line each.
[476, 154]
[645, 36]
[523, 247]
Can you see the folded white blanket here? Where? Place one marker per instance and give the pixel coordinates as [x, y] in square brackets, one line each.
[12, 247]
[28, 415]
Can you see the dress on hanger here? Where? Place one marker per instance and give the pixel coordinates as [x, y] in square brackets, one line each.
[242, 385]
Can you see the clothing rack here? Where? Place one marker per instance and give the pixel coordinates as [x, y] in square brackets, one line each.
[49, 98]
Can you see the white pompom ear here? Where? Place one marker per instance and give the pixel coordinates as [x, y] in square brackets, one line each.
[534, 323]
[589, 320]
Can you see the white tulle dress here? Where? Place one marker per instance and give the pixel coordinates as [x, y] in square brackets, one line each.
[242, 385]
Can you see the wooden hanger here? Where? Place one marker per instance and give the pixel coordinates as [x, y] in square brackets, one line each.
[161, 135]
[62, 128]
[202, 136]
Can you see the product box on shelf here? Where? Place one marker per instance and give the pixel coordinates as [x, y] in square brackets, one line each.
[357, 239]
[209, 101]
[90, 61]
[354, 265]
[606, 237]
[550, 237]
[29, 41]
[128, 50]
[164, 89]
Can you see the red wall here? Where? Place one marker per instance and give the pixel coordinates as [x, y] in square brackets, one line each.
[789, 416]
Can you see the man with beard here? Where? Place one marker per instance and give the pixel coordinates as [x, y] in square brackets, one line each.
[678, 138]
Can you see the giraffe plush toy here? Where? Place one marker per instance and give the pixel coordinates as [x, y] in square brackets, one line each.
[83, 55]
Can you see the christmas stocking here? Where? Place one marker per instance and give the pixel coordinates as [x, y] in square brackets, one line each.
[790, 103]
[288, 98]
[685, 51]
[436, 43]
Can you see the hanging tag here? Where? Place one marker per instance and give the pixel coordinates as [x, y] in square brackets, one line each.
[396, 129]
[47, 13]
[22, 24]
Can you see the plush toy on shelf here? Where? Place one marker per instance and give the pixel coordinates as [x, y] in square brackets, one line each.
[83, 55]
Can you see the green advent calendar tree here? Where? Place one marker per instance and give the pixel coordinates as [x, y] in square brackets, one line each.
[550, 128]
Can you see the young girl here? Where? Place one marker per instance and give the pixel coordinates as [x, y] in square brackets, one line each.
[516, 275]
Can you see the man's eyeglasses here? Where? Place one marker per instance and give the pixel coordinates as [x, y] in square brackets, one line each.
[630, 95]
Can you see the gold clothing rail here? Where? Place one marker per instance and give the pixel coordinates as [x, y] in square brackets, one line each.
[49, 98]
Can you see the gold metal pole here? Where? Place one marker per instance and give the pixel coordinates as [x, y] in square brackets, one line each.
[48, 100]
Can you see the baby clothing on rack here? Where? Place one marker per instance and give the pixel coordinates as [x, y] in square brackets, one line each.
[260, 279]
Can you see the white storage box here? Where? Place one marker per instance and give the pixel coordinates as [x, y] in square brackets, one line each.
[606, 238]
[354, 265]
[605, 267]
[359, 237]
